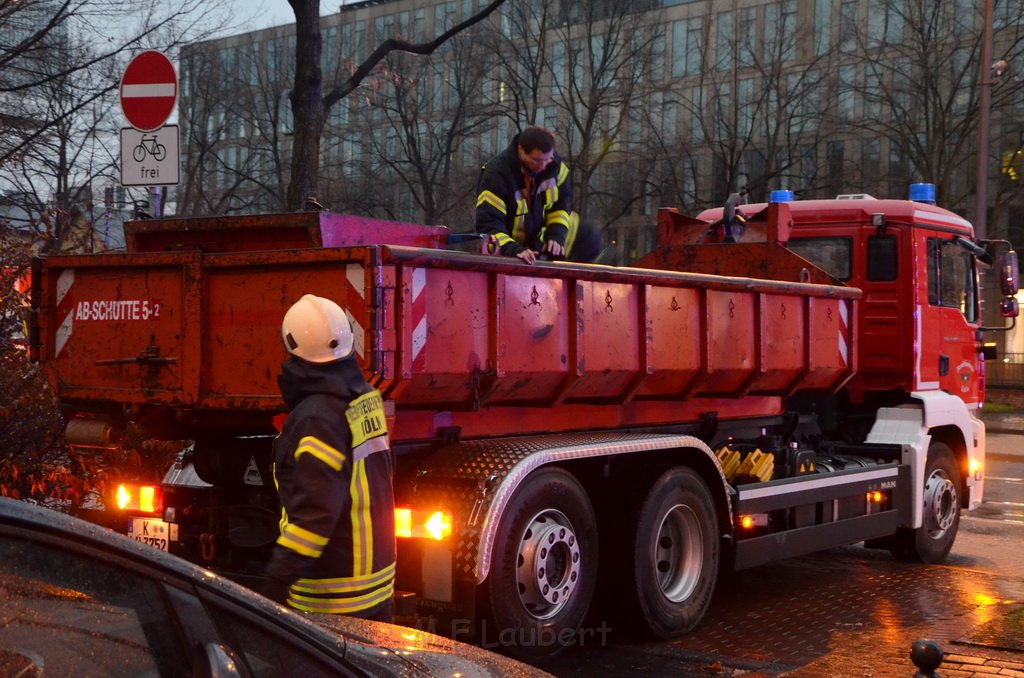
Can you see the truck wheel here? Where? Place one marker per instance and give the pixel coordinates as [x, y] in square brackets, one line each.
[675, 554]
[544, 567]
[941, 518]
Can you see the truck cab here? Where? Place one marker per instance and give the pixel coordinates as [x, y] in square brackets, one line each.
[920, 310]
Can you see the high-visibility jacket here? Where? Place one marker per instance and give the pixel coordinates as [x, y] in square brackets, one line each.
[523, 210]
[333, 470]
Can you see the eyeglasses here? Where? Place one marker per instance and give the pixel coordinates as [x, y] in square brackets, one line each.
[536, 160]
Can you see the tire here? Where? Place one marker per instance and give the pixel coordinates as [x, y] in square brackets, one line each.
[159, 152]
[139, 153]
[940, 519]
[543, 569]
[675, 554]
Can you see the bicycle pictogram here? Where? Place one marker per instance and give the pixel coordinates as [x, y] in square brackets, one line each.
[149, 146]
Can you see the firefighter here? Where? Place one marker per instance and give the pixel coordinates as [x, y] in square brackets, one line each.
[333, 471]
[525, 202]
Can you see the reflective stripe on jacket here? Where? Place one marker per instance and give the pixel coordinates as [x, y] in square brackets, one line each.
[333, 471]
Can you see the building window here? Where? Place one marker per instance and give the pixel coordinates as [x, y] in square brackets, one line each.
[329, 54]
[687, 44]
[822, 26]
[885, 22]
[780, 31]
[253, 67]
[657, 54]
[963, 15]
[724, 48]
[802, 90]
[445, 17]
[809, 165]
[417, 30]
[834, 159]
[360, 42]
[275, 68]
[664, 116]
[746, 46]
[962, 98]
[871, 160]
[848, 26]
[845, 93]
[746, 104]
[872, 98]
[723, 113]
[695, 105]
[899, 169]
[902, 85]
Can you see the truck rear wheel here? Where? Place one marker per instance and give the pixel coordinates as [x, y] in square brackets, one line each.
[940, 520]
[675, 554]
[544, 567]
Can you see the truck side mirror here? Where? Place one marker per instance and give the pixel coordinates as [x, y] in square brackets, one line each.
[1008, 275]
[1008, 307]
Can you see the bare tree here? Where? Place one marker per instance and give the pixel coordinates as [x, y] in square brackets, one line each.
[753, 114]
[43, 46]
[52, 175]
[520, 51]
[432, 113]
[237, 123]
[918, 67]
[57, 112]
[602, 53]
[310, 105]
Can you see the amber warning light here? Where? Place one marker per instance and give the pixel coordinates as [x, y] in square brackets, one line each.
[749, 522]
[416, 523]
[139, 498]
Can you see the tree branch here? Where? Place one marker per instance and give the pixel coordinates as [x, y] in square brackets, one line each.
[391, 44]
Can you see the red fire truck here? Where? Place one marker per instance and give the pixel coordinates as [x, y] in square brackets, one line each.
[775, 379]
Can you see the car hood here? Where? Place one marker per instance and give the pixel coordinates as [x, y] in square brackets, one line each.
[411, 652]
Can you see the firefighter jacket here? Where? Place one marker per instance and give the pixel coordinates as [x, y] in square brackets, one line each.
[520, 209]
[333, 470]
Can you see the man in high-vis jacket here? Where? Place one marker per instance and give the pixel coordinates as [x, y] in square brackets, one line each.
[524, 202]
[333, 470]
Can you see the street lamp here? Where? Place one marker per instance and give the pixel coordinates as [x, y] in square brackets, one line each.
[981, 179]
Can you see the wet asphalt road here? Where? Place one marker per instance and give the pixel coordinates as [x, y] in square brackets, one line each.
[852, 611]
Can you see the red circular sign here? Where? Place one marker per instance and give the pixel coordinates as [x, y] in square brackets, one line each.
[149, 90]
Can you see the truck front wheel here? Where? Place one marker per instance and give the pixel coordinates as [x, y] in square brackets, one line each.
[544, 567]
[940, 521]
[675, 554]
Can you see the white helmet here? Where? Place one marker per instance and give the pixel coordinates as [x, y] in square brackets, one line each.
[317, 330]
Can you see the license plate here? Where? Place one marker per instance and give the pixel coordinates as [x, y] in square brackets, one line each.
[153, 531]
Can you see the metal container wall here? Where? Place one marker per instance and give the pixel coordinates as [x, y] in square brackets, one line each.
[437, 330]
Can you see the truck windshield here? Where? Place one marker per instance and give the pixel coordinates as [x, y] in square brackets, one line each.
[831, 255]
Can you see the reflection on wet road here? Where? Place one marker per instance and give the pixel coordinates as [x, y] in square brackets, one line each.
[849, 611]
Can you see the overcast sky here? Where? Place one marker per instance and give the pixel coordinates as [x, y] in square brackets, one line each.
[265, 13]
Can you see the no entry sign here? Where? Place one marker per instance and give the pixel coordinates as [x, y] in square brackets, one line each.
[149, 90]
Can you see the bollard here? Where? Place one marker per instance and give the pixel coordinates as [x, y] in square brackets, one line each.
[926, 655]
